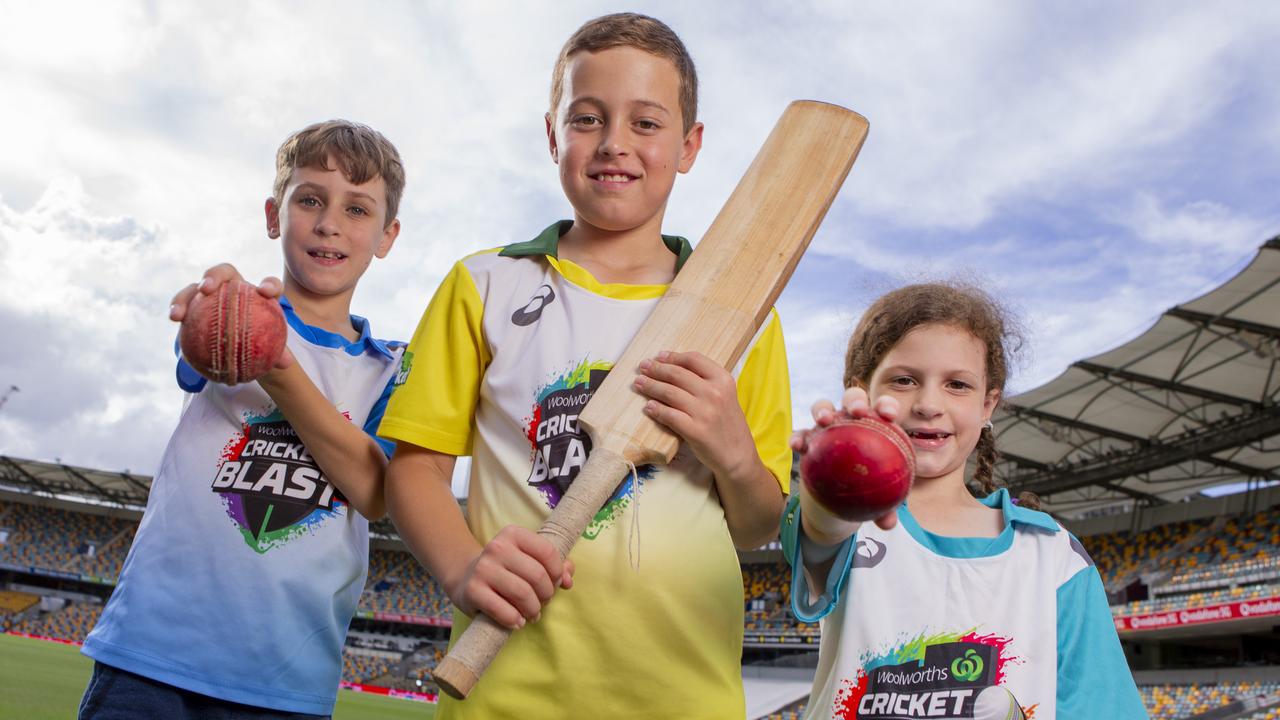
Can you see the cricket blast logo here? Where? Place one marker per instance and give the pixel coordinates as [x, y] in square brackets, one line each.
[271, 486]
[560, 445]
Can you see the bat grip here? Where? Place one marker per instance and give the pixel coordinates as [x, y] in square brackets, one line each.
[467, 660]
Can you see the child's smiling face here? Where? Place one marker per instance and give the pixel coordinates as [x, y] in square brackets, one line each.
[618, 137]
[938, 375]
[331, 229]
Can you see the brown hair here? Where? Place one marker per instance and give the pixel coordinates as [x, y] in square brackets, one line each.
[361, 152]
[897, 313]
[636, 31]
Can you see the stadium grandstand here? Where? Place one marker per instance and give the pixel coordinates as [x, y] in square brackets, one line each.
[1162, 455]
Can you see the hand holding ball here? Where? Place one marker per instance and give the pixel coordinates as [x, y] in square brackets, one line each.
[234, 335]
[858, 469]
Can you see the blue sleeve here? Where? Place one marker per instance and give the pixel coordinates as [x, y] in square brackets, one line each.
[806, 609]
[1092, 672]
[375, 417]
[188, 379]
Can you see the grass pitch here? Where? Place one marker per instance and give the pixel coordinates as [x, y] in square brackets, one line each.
[42, 680]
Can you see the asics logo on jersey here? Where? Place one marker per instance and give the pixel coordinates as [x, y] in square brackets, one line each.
[532, 310]
[868, 554]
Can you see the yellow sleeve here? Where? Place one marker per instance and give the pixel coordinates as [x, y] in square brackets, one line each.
[434, 406]
[764, 392]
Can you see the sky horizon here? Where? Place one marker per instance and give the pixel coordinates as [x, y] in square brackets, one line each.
[1089, 165]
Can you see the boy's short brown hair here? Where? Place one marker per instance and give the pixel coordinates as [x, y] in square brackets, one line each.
[642, 33]
[361, 152]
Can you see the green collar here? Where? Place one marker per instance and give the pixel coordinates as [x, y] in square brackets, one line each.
[548, 242]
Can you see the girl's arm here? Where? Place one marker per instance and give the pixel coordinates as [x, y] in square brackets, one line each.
[816, 542]
[1093, 676]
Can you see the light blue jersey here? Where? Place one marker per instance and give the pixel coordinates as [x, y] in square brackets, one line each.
[916, 624]
[247, 565]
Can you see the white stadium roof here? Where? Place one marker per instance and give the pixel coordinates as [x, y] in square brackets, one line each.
[1188, 405]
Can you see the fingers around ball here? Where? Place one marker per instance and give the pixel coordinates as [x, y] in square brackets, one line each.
[824, 412]
[854, 401]
[799, 441]
[887, 521]
[217, 275]
[178, 305]
[887, 408]
[270, 287]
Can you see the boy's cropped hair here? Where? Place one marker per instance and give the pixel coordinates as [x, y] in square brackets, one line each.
[361, 152]
[642, 33]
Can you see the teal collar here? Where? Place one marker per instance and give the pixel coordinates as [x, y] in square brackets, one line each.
[548, 242]
[976, 547]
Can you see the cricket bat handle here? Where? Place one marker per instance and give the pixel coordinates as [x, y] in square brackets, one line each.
[467, 660]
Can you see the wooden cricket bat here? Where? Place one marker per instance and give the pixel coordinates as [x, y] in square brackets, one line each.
[715, 306]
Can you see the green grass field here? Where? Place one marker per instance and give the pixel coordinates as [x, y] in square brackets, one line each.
[42, 680]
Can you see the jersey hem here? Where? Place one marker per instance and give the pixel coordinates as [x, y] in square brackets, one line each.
[163, 671]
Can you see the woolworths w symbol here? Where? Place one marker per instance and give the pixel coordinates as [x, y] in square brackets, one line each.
[967, 668]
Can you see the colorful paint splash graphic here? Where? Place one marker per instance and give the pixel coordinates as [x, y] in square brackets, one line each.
[852, 690]
[559, 447]
[253, 516]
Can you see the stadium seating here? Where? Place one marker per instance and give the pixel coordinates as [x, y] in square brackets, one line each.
[72, 622]
[401, 585]
[358, 667]
[12, 603]
[1197, 599]
[55, 539]
[1119, 555]
[794, 711]
[1170, 702]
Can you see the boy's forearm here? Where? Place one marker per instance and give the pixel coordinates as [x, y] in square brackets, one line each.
[345, 453]
[752, 501]
[427, 516]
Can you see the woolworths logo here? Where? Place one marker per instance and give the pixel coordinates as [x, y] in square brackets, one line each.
[967, 668]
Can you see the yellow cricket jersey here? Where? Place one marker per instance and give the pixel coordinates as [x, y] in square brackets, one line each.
[510, 349]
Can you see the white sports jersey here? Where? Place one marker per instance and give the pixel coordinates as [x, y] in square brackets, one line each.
[247, 565]
[922, 626]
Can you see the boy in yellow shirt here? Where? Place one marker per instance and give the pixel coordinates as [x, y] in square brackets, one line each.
[508, 352]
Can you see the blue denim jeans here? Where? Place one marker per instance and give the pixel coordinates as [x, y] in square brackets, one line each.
[115, 694]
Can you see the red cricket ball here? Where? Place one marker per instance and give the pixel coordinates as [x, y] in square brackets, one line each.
[234, 335]
[859, 469]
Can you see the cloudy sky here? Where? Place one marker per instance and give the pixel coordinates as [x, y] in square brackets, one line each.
[1090, 163]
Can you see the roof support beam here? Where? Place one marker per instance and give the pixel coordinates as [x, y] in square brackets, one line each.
[1026, 412]
[1129, 376]
[101, 492]
[1207, 320]
[19, 474]
[1200, 443]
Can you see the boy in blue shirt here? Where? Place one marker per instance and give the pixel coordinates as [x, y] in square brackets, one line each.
[235, 598]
